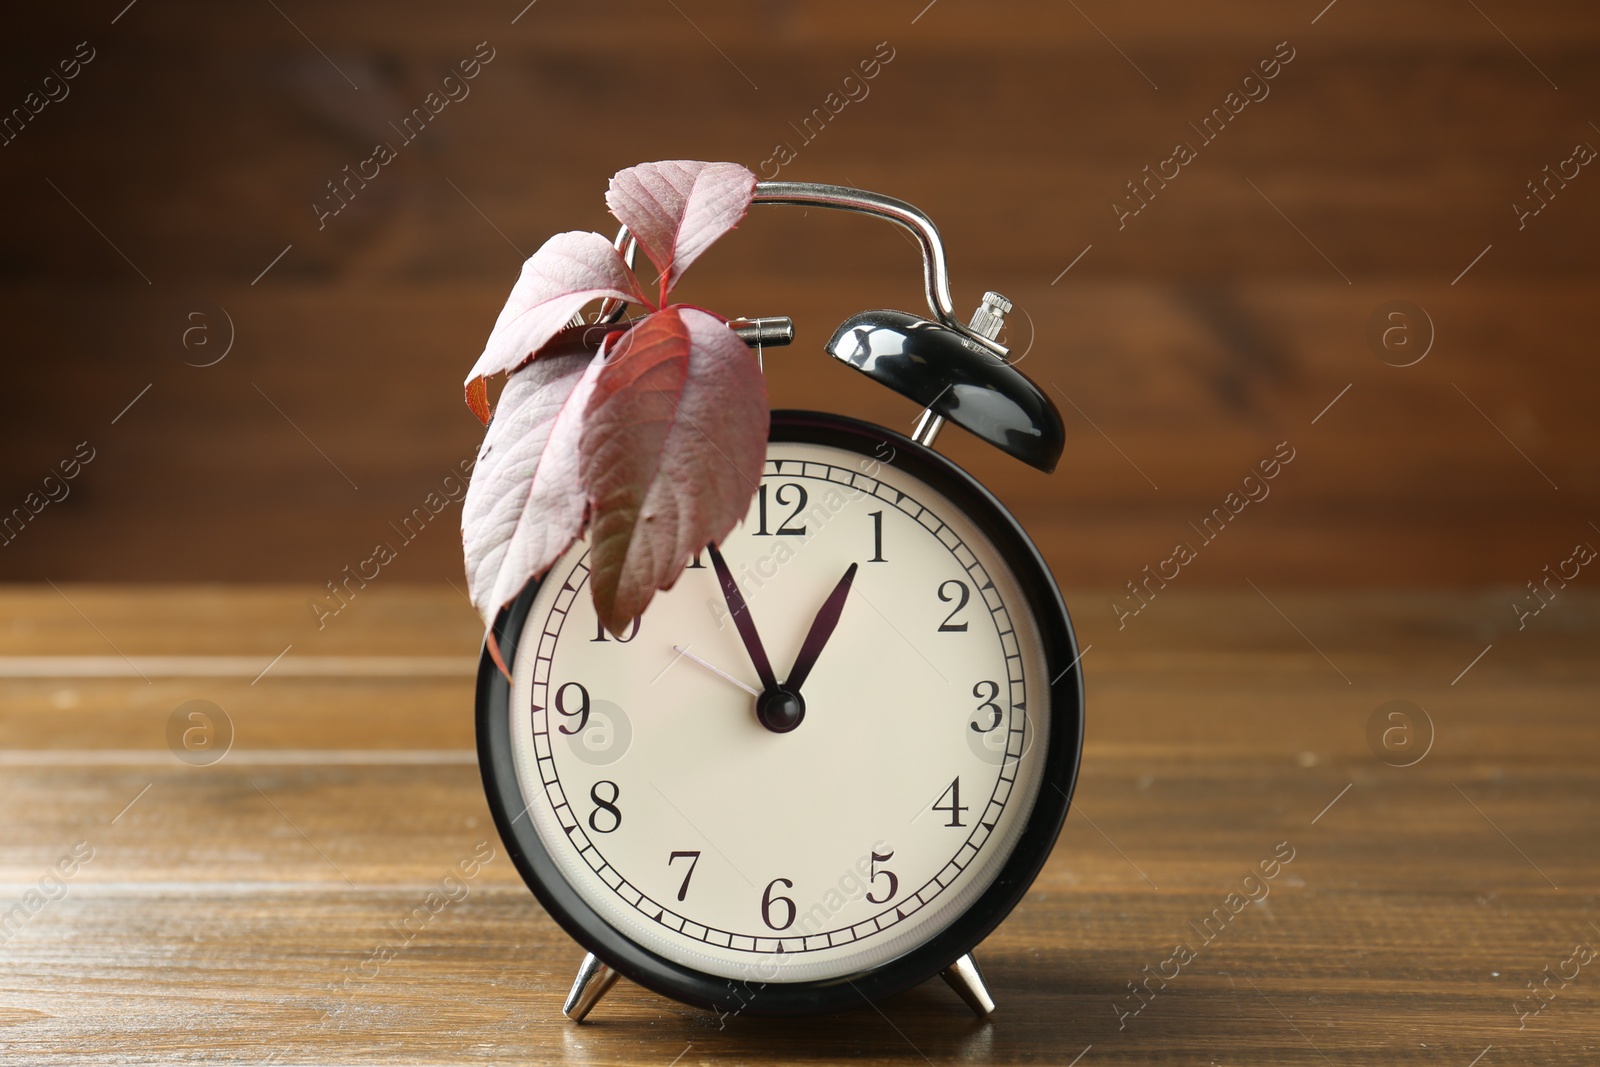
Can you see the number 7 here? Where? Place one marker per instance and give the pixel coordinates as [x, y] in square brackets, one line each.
[694, 858]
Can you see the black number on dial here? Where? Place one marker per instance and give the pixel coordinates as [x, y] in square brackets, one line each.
[877, 538]
[960, 596]
[987, 705]
[695, 564]
[581, 711]
[894, 881]
[694, 858]
[784, 529]
[768, 900]
[601, 635]
[605, 804]
[955, 807]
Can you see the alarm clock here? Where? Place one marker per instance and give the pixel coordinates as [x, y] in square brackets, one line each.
[831, 759]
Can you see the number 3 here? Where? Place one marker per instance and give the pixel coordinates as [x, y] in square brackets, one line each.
[987, 705]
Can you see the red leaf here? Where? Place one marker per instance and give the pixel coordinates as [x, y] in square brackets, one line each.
[678, 208]
[478, 399]
[567, 272]
[673, 443]
[585, 339]
[525, 505]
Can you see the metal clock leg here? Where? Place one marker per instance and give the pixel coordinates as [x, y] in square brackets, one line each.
[963, 976]
[594, 981]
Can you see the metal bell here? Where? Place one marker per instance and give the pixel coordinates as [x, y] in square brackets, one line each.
[956, 379]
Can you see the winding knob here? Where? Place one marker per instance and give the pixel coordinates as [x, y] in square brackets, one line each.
[990, 316]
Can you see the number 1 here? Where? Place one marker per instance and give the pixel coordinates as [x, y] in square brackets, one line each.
[877, 538]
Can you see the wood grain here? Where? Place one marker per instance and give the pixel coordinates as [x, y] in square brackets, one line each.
[1221, 320]
[229, 910]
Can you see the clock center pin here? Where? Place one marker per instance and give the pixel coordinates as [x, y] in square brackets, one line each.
[780, 710]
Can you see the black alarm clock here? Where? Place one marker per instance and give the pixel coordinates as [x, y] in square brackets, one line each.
[833, 757]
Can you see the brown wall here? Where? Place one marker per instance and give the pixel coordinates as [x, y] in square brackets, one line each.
[1213, 325]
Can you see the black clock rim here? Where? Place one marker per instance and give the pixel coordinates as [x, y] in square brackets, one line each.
[1033, 848]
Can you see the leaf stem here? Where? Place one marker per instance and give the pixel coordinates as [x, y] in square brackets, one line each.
[638, 288]
[696, 307]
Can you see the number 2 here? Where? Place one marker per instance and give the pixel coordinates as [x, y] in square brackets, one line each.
[960, 596]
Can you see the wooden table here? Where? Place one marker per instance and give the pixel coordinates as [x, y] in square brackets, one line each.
[232, 913]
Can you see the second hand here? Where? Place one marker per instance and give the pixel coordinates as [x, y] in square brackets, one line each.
[724, 675]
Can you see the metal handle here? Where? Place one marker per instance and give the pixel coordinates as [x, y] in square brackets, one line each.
[935, 270]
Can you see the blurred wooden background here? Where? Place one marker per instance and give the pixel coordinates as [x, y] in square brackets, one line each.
[176, 179]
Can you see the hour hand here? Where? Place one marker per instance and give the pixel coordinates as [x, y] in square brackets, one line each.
[821, 629]
[742, 620]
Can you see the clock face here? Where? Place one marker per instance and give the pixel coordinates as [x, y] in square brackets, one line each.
[695, 831]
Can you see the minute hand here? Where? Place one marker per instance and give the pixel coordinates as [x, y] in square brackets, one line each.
[742, 620]
[821, 629]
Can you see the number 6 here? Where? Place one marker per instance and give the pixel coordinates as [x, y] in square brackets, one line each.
[768, 900]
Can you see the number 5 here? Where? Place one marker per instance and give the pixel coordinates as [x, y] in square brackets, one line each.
[894, 881]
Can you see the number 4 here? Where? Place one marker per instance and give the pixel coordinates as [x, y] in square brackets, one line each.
[955, 807]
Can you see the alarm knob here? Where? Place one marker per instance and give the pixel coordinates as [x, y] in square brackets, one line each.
[990, 316]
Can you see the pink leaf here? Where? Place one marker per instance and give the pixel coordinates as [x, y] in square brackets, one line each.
[678, 208]
[674, 439]
[524, 506]
[567, 272]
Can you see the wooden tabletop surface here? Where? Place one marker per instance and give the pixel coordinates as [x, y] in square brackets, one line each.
[247, 911]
